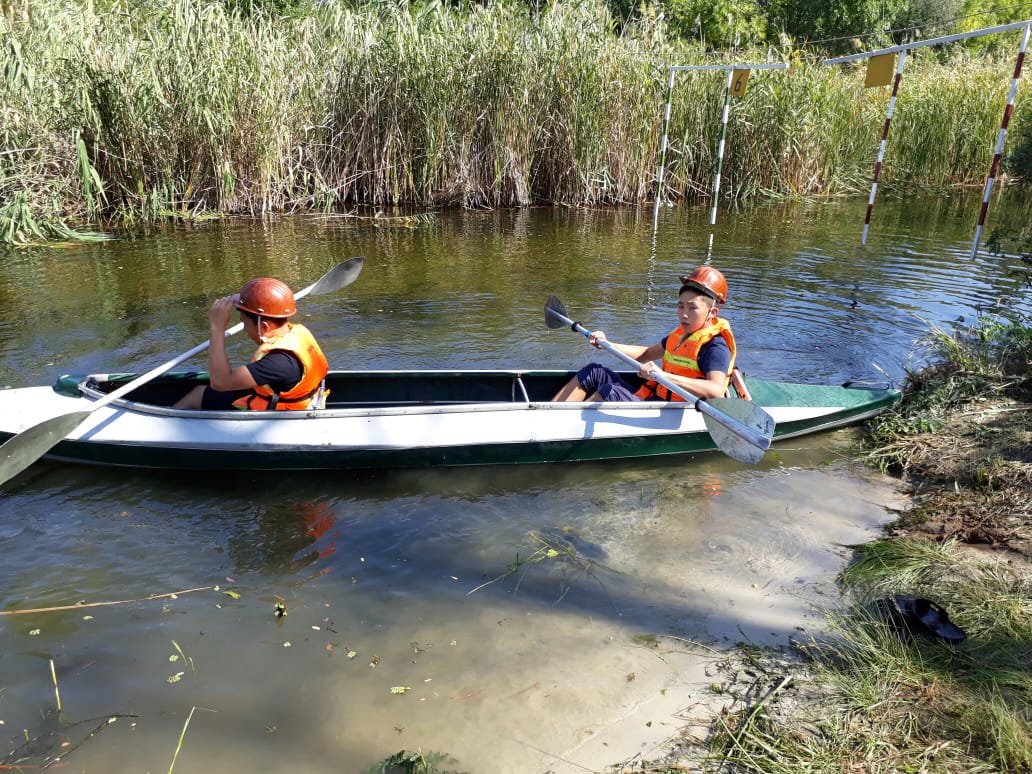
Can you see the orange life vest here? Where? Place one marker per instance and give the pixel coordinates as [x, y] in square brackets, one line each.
[681, 356]
[299, 341]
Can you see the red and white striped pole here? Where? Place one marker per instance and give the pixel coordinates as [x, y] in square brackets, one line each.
[995, 168]
[884, 142]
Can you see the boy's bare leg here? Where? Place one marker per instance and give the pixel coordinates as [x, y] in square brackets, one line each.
[571, 391]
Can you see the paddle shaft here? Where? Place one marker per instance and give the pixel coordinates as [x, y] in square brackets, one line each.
[746, 433]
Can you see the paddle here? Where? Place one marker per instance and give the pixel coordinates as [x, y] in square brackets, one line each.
[21, 450]
[739, 428]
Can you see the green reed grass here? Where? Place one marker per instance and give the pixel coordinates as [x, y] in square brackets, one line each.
[118, 115]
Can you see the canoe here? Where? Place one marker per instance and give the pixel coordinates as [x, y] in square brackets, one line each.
[402, 419]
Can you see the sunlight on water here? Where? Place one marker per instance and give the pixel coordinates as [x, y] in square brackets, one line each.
[490, 614]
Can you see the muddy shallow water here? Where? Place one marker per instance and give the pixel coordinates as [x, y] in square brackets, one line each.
[390, 639]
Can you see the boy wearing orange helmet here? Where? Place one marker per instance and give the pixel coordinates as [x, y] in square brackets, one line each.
[698, 355]
[285, 371]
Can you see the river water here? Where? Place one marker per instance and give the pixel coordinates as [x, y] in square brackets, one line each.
[501, 616]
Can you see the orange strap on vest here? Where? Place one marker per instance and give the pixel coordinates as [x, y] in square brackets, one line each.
[299, 341]
[681, 357]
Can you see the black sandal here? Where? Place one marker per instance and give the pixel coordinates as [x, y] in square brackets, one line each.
[914, 615]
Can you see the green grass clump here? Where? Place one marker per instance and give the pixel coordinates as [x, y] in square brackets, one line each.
[900, 704]
[989, 361]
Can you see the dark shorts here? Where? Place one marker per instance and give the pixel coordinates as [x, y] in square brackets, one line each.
[216, 400]
[597, 378]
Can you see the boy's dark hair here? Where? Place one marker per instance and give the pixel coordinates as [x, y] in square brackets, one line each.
[694, 289]
[277, 321]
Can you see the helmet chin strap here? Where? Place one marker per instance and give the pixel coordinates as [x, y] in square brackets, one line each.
[261, 338]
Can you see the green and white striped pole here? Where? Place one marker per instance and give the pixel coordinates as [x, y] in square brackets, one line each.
[720, 149]
[663, 144]
[720, 157]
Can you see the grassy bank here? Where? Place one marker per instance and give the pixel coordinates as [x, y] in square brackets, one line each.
[115, 116]
[876, 696]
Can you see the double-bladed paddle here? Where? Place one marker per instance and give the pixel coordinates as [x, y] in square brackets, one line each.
[739, 428]
[21, 450]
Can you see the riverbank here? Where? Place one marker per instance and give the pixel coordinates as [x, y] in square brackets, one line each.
[867, 691]
[122, 121]
[883, 694]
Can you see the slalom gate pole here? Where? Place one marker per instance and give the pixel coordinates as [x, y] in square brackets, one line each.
[995, 168]
[720, 147]
[663, 145]
[884, 142]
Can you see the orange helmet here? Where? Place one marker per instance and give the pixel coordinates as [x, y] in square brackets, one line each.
[267, 297]
[709, 281]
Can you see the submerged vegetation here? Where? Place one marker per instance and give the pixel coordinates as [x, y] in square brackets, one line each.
[117, 117]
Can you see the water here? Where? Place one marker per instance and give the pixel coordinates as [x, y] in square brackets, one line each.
[423, 608]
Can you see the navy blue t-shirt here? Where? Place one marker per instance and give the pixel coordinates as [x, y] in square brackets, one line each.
[279, 369]
[714, 355]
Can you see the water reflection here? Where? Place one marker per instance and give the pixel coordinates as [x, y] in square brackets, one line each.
[468, 287]
[382, 565]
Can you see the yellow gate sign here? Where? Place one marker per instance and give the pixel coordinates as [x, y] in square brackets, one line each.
[739, 79]
[879, 70]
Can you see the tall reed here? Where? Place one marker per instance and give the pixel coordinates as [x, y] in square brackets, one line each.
[120, 116]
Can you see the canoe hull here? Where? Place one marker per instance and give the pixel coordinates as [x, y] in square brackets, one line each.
[407, 420]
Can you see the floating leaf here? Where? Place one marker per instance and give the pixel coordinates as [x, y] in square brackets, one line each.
[174, 657]
[286, 644]
[87, 618]
[186, 659]
[33, 632]
[231, 594]
[352, 653]
[397, 689]
[176, 677]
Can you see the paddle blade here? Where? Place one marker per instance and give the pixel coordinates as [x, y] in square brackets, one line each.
[733, 444]
[555, 313]
[20, 451]
[341, 275]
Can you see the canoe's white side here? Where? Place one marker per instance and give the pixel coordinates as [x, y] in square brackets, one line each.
[381, 428]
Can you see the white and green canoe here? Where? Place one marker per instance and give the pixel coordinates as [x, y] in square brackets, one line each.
[404, 419]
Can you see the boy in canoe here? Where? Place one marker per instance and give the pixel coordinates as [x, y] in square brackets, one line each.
[698, 355]
[285, 372]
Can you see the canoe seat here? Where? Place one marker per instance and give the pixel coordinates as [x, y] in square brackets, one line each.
[738, 384]
[319, 400]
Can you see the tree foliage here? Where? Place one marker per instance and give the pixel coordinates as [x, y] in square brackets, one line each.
[834, 22]
[716, 24]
